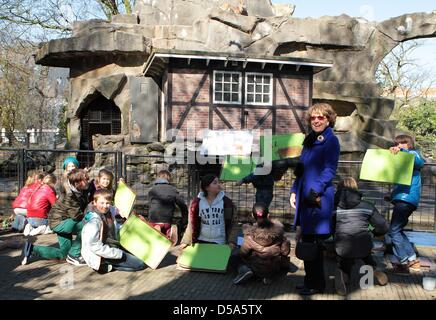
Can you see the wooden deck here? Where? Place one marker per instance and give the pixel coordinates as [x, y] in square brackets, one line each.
[51, 280]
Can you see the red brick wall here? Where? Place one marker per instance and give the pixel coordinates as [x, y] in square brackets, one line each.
[232, 115]
[285, 121]
[297, 89]
[186, 81]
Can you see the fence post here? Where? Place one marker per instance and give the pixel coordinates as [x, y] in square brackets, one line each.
[21, 168]
[119, 165]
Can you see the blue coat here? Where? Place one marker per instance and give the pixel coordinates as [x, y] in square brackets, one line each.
[320, 164]
[410, 194]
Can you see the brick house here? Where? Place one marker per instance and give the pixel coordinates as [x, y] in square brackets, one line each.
[220, 91]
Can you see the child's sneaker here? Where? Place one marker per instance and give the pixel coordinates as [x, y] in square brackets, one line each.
[400, 269]
[76, 261]
[245, 273]
[414, 265]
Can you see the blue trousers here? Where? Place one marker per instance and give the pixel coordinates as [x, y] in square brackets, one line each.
[128, 263]
[401, 245]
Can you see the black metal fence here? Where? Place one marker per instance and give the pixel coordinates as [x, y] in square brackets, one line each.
[140, 172]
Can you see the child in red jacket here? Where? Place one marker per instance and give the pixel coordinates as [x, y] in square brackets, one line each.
[38, 207]
[20, 203]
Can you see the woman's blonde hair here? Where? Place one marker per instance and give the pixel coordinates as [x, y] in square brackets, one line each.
[322, 108]
[348, 182]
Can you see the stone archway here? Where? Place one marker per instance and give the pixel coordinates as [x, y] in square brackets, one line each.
[100, 116]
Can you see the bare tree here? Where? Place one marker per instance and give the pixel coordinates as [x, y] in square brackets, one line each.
[401, 77]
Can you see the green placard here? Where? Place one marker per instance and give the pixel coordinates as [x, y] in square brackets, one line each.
[143, 241]
[383, 166]
[282, 146]
[124, 199]
[205, 257]
[236, 167]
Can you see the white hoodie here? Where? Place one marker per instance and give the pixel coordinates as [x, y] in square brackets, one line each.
[212, 228]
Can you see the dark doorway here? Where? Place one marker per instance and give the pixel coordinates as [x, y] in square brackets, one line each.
[101, 116]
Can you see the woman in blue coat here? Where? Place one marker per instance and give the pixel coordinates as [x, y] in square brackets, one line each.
[312, 194]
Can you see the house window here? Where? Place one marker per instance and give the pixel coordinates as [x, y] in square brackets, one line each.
[258, 88]
[227, 87]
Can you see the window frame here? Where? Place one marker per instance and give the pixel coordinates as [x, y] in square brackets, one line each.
[231, 92]
[270, 103]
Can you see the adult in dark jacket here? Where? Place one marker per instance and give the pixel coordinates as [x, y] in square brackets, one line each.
[312, 192]
[265, 248]
[163, 198]
[65, 219]
[353, 239]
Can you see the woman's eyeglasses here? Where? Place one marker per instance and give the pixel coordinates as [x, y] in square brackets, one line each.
[320, 118]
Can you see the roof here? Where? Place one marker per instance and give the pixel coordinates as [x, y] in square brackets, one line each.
[158, 60]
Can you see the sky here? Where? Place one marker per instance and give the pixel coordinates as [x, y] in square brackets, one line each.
[374, 10]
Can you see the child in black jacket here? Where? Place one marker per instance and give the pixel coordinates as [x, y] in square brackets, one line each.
[163, 198]
[352, 237]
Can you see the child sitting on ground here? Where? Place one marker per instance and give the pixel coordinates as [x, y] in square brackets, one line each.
[265, 248]
[353, 240]
[20, 203]
[212, 216]
[39, 206]
[163, 198]
[100, 239]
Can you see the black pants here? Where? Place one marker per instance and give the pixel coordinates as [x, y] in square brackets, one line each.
[345, 264]
[315, 278]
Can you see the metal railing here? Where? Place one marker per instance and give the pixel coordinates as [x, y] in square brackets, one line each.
[140, 172]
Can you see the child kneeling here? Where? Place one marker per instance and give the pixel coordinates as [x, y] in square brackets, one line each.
[265, 248]
[100, 238]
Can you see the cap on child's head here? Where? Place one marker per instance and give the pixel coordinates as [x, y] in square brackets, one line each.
[68, 160]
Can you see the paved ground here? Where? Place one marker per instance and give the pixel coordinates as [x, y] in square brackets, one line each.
[51, 280]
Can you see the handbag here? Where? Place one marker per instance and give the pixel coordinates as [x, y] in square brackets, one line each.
[306, 251]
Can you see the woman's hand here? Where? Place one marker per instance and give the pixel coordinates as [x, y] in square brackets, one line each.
[298, 234]
[182, 246]
[293, 200]
[394, 150]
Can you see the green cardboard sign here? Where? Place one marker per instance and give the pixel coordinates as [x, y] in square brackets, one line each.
[383, 166]
[143, 241]
[205, 257]
[282, 146]
[124, 199]
[236, 167]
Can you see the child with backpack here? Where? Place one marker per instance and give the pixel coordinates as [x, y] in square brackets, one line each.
[265, 248]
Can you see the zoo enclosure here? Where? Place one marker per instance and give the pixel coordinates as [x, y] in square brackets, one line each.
[140, 171]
